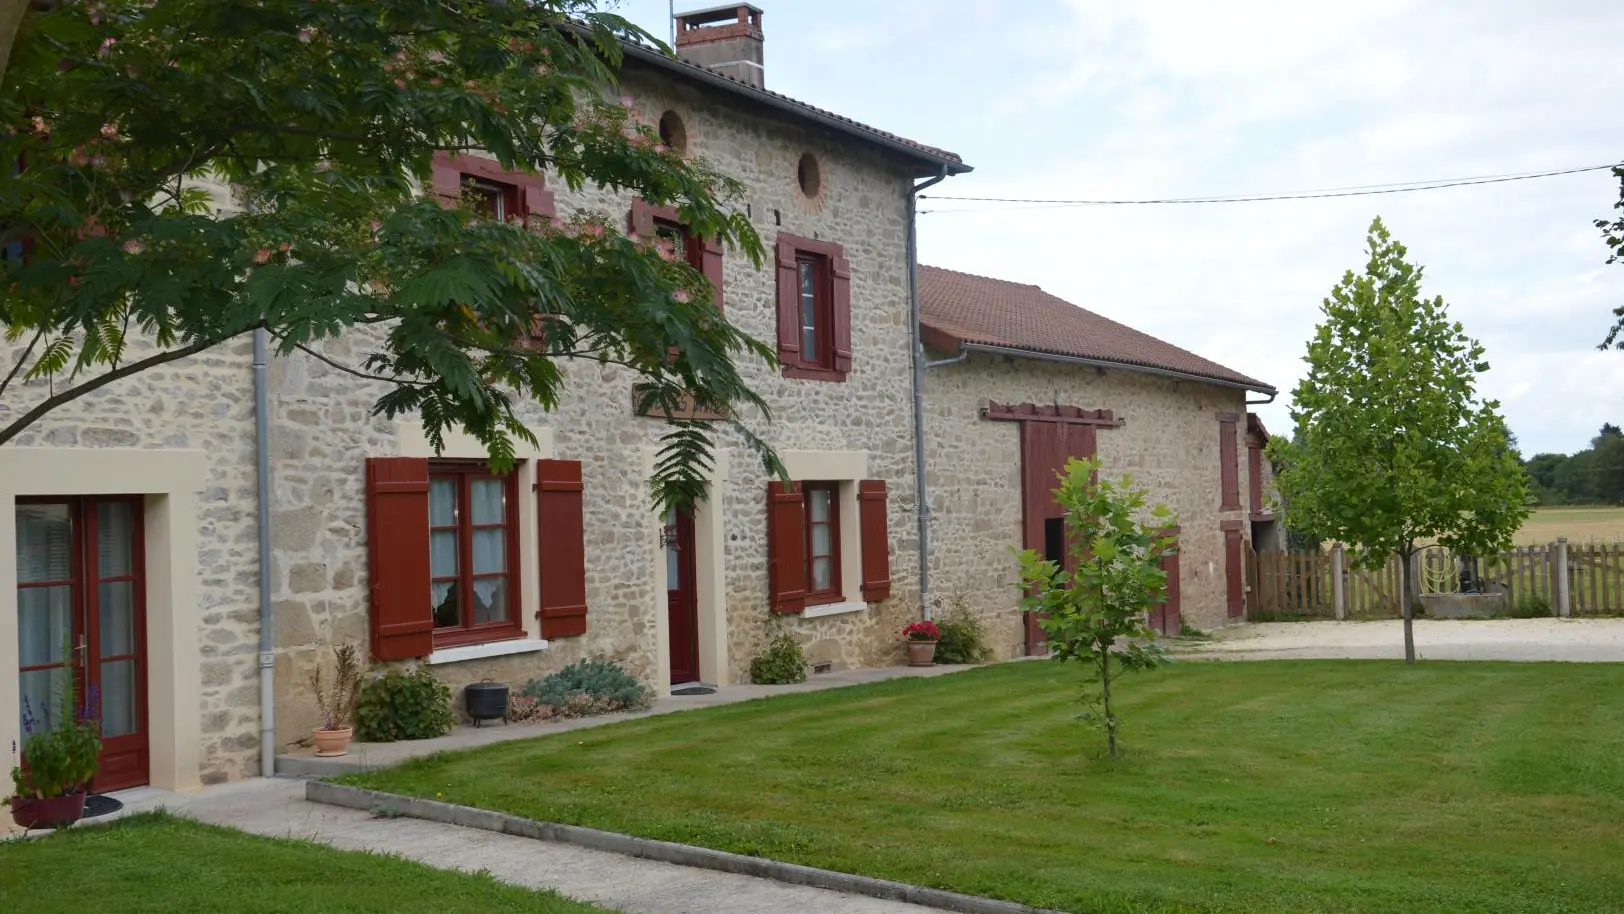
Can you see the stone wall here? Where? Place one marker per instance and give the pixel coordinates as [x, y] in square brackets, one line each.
[323, 432]
[1168, 442]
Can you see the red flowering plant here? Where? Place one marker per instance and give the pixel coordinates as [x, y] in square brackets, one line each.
[921, 631]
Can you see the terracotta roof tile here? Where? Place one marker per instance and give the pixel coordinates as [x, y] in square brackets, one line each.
[957, 308]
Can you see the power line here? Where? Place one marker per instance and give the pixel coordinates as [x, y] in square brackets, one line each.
[1363, 190]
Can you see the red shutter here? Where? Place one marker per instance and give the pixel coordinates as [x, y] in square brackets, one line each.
[711, 265]
[1234, 572]
[538, 201]
[876, 543]
[561, 535]
[789, 304]
[1168, 613]
[786, 548]
[447, 178]
[1229, 460]
[641, 219]
[841, 268]
[1254, 477]
[398, 557]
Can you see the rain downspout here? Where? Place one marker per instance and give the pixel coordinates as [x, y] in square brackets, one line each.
[267, 646]
[921, 508]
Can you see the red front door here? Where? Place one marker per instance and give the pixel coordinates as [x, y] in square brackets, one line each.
[81, 602]
[1235, 568]
[682, 609]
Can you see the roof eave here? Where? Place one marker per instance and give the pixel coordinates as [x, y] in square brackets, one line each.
[936, 164]
[1039, 355]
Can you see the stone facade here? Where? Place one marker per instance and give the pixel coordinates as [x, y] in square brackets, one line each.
[1168, 442]
[322, 431]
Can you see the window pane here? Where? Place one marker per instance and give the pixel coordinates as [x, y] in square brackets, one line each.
[443, 502]
[820, 505]
[442, 553]
[820, 540]
[490, 600]
[443, 597]
[486, 495]
[823, 573]
[490, 551]
[809, 311]
[115, 531]
[40, 689]
[673, 557]
[117, 612]
[118, 698]
[44, 543]
[43, 622]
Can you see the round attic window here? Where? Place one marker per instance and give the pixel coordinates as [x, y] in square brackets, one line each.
[810, 174]
[673, 132]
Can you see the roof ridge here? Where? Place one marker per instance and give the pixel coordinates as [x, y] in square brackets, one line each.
[1007, 282]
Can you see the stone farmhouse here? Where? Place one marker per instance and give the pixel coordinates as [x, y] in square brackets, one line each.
[132, 519]
[1019, 382]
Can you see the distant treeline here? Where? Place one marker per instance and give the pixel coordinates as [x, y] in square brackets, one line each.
[1591, 476]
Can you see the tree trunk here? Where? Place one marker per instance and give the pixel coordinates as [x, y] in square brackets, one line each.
[1105, 694]
[1408, 603]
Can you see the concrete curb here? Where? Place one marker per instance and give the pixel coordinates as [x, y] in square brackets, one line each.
[661, 851]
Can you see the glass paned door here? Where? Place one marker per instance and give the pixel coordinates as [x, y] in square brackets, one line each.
[81, 612]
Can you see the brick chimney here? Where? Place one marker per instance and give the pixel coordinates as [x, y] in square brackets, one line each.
[726, 39]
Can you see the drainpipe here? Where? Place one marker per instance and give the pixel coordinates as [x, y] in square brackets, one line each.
[921, 507]
[267, 646]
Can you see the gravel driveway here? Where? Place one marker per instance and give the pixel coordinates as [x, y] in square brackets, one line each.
[1590, 640]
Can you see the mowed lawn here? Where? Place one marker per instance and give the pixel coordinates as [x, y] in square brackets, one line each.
[1252, 787]
[159, 863]
[1580, 524]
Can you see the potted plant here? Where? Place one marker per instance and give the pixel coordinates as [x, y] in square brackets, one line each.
[335, 698]
[61, 753]
[921, 638]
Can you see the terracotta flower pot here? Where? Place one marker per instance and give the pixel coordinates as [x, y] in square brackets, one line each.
[332, 742]
[51, 812]
[921, 653]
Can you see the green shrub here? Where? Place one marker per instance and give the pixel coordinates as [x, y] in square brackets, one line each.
[588, 687]
[1531, 606]
[782, 663]
[962, 639]
[1190, 632]
[400, 705]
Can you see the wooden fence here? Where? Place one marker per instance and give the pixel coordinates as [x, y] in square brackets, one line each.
[1300, 585]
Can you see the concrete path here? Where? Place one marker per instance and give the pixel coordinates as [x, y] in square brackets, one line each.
[277, 807]
[367, 756]
[1584, 640]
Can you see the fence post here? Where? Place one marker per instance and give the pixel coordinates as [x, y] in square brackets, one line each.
[1339, 598]
[1564, 606]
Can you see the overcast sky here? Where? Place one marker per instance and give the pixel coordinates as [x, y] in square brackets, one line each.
[1158, 98]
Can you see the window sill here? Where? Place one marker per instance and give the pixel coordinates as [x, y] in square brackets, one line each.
[489, 649]
[813, 374]
[833, 609]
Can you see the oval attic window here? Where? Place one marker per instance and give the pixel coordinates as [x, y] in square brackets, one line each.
[810, 175]
[673, 133]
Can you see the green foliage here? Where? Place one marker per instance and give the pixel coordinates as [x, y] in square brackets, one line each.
[400, 705]
[63, 750]
[325, 117]
[588, 687]
[962, 638]
[1099, 612]
[1190, 633]
[1594, 475]
[782, 663]
[1531, 606]
[1395, 447]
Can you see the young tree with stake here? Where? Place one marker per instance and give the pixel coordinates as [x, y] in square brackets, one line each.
[1098, 612]
[1395, 448]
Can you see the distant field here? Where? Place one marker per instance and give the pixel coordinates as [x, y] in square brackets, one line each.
[1579, 525]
